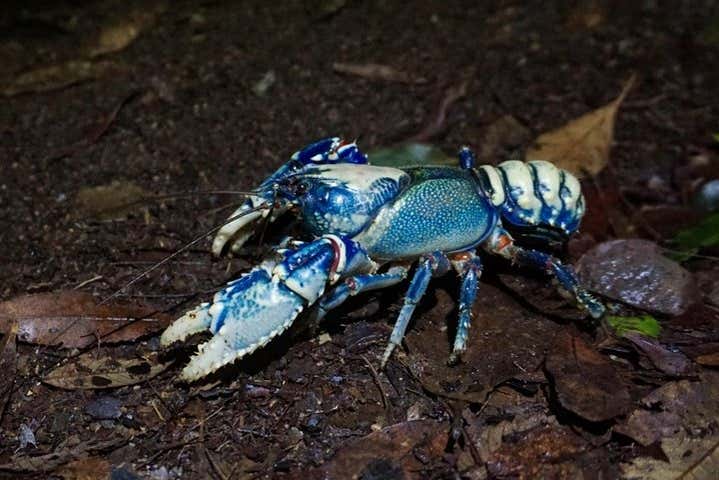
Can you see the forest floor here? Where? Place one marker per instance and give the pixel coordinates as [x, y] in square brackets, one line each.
[112, 113]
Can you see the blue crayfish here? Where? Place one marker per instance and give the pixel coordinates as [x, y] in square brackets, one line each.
[366, 225]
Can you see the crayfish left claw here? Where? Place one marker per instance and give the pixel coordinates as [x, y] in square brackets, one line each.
[195, 321]
[263, 303]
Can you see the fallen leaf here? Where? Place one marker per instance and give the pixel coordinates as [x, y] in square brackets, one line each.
[69, 450]
[74, 319]
[92, 468]
[669, 362]
[708, 360]
[410, 155]
[646, 427]
[690, 458]
[53, 77]
[8, 364]
[646, 325]
[542, 452]
[391, 452]
[672, 415]
[635, 272]
[488, 437]
[109, 202]
[375, 71]
[582, 145]
[585, 382]
[120, 31]
[87, 372]
[505, 339]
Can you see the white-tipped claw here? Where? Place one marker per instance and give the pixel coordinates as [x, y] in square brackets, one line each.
[241, 228]
[195, 321]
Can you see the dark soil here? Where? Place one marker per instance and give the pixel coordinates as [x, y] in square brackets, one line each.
[178, 110]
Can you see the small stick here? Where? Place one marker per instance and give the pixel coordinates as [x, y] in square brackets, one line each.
[375, 376]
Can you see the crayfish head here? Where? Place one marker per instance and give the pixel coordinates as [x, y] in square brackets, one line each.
[282, 190]
[340, 199]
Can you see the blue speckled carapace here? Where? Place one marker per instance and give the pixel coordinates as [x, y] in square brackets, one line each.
[365, 225]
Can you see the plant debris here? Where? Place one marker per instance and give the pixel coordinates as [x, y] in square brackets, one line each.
[87, 372]
[74, 319]
[582, 145]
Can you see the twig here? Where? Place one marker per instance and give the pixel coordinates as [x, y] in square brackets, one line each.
[213, 464]
[383, 394]
[254, 432]
[88, 281]
[95, 135]
[165, 448]
[439, 122]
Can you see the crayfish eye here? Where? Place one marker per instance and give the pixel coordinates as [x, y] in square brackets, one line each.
[301, 188]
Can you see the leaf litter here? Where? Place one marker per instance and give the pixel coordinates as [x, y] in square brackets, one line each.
[581, 146]
[90, 372]
[74, 319]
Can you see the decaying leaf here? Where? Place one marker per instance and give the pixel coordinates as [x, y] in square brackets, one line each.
[74, 319]
[681, 416]
[392, 451]
[87, 372]
[108, 202]
[70, 449]
[8, 364]
[120, 31]
[582, 145]
[53, 77]
[505, 340]
[539, 453]
[668, 361]
[586, 383]
[92, 468]
[689, 459]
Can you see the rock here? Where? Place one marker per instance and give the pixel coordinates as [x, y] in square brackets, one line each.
[104, 408]
[635, 272]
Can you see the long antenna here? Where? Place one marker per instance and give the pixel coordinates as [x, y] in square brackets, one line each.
[195, 241]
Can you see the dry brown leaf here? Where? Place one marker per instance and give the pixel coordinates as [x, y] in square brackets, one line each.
[119, 32]
[689, 458]
[389, 450]
[92, 468]
[73, 319]
[582, 145]
[52, 77]
[108, 202]
[87, 372]
[69, 450]
[585, 381]
[8, 364]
